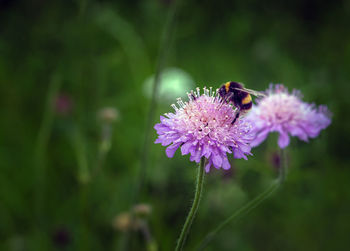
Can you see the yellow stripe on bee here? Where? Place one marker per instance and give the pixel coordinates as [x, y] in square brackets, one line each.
[247, 100]
[227, 86]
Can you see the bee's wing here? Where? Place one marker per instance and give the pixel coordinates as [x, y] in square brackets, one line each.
[255, 93]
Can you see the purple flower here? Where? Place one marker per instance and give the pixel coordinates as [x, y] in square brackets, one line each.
[202, 127]
[63, 104]
[286, 113]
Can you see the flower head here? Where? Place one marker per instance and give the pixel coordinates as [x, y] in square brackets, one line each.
[202, 127]
[123, 221]
[285, 113]
[108, 115]
[63, 104]
[142, 210]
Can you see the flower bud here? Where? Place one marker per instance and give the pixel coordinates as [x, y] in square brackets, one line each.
[108, 115]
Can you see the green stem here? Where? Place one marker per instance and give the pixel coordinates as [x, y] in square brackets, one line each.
[83, 178]
[83, 241]
[253, 203]
[199, 187]
[103, 149]
[79, 145]
[42, 143]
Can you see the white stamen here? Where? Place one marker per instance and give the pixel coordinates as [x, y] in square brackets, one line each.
[181, 103]
[205, 91]
[189, 96]
[175, 108]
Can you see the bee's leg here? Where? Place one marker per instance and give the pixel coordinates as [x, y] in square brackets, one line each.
[223, 101]
[226, 99]
[236, 117]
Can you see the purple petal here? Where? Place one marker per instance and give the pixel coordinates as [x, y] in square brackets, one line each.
[283, 139]
[206, 151]
[185, 148]
[225, 164]
[193, 148]
[260, 137]
[244, 147]
[160, 127]
[207, 166]
[165, 140]
[217, 160]
[238, 154]
[224, 149]
[299, 132]
[170, 150]
[165, 121]
[158, 140]
[197, 156]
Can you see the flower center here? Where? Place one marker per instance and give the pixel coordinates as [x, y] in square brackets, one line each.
[280, 108]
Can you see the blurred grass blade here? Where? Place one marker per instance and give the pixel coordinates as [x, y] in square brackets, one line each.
[242, 211]
[83, 174]
[253, 203]
[162, 56]
[42, 143]
[129, 40]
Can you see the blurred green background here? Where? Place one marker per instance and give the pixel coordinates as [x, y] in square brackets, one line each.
[68, 173]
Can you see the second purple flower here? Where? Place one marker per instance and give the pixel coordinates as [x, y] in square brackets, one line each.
[285, 113]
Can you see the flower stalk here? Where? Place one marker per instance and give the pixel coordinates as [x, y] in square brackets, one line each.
[107, 117]
[189, 220]
[42, 145]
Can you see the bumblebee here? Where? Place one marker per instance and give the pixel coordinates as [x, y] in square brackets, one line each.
[239, 96]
